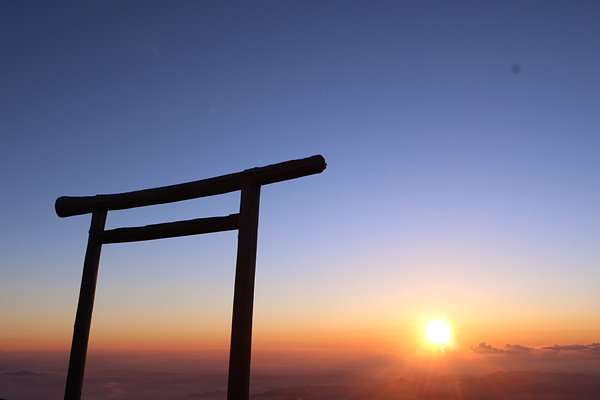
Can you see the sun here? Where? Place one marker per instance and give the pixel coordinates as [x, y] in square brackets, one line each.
[438, 332]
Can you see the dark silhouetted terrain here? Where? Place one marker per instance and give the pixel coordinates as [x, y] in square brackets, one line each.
[570, 372]
[496, 386]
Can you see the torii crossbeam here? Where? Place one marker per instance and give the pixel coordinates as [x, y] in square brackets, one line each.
[246, 222]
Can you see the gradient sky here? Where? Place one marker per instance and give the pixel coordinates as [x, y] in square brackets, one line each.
[457, 186]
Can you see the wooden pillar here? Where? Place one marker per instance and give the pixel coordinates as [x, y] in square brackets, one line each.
[238, 386]
[83, 318]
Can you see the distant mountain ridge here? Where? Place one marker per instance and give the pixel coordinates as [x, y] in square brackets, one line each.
[216, 395]
[521, 385]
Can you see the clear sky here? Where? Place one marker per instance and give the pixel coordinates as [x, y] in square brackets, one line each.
[463, 180]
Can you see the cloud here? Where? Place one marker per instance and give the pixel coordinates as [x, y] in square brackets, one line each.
[593, 348]
[449, 349]
[572, 347]
[485, 348]
[115, 389]
[26, 384]
[516, 349]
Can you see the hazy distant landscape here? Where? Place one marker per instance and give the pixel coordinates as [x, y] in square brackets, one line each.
[548, 374]
[496, 386]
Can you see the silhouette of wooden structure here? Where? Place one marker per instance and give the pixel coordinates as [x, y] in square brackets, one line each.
[246, 222]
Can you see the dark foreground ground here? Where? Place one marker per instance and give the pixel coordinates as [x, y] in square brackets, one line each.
[307, 375]
[496, 386]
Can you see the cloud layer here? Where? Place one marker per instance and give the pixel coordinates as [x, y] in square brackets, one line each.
[161, 376]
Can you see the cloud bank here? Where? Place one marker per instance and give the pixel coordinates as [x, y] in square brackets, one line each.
[164, 376]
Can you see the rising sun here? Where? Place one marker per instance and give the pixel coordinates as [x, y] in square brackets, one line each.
[438, 332]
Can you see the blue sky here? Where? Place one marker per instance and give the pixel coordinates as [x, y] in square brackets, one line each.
[454, 185]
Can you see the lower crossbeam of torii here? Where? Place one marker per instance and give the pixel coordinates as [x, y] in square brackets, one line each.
[249, 183]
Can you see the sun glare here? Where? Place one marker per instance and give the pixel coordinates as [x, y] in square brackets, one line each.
[438, 332]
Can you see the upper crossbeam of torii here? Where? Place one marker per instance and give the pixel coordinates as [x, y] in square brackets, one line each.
[249, 183]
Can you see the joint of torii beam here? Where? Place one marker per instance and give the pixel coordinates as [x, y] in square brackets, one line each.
[249, 183]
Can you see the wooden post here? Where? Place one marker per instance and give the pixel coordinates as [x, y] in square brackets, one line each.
[83, 318]
[238, 386]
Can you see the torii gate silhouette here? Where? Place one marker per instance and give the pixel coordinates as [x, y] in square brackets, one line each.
[249, 182]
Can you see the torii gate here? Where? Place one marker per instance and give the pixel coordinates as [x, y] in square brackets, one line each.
[249, 182]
